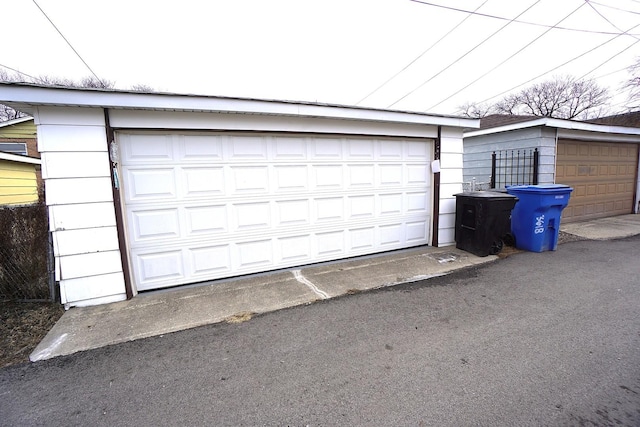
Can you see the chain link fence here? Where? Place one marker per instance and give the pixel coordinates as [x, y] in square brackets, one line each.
[26, 254]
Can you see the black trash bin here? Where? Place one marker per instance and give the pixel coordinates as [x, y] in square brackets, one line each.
[483, 221]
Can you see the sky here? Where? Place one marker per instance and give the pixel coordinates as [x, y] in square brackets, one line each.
[390, 54]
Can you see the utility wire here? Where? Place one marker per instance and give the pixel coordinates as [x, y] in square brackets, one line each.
[421, 55]
[68, 43]
[609, 59]
[20, 72]
[507, 59]
[605, 18]
[516, 20]
[465, 54]
[560, 66]
[616, 8]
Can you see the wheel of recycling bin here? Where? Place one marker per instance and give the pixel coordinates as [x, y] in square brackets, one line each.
[496, 247]
[509, 239]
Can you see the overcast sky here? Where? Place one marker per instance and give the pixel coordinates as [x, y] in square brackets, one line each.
[329, 51]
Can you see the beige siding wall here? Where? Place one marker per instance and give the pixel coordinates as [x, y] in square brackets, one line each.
[18, 183]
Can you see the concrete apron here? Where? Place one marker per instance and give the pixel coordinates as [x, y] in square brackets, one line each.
[615, 227]
[236, 300]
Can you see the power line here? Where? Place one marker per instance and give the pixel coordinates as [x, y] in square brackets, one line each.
[616, 8]
[609, 59]
[465, 54]
[68, 43]
[20, 72]
[609, 33]
[604, 17]
[559, 66]
[421, 55]
[507, 59]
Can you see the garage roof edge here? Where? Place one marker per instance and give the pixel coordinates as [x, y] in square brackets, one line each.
[558, 124]
[23, 96]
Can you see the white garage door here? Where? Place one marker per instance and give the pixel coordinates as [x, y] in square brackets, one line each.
[207, 206]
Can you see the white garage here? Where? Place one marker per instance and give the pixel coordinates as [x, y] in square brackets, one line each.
[149, 191]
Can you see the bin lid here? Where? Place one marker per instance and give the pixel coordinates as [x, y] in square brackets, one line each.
[540, 188]
[485, 195]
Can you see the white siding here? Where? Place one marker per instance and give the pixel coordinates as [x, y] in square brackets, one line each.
[451, 157]
[75, 166]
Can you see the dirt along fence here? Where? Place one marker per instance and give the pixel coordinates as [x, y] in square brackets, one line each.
[26, 267]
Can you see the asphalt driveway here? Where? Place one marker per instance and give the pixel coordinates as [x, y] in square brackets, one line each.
[533, 339]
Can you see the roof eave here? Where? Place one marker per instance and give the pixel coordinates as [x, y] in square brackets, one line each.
[560, 124]
[29, 96]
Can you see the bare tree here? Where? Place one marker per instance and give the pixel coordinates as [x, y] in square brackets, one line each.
[141, 87]
[475, 111]
[8, 113]
[633, 86]
[562, 97]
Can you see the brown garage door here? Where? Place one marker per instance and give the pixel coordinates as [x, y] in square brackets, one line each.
[602, 175]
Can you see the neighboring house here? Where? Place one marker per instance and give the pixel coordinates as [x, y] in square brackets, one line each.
[18, 181]
[631, 119]
[149, 191]
[18, 136]
[599, 161]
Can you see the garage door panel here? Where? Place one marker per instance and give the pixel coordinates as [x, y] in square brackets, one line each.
[244, 148]
[326, 148]
[251, 216]
[390, 175]
[605, 181]
[291, 178]
[200, 148]
[148, 149]
[206, 220]
[391, 204]
[160, 266]
[292, 212]
[249, 180]
[218, 208]
[417, 231]
[288, 148]
[361, 207]
[296, 248]
[360, 176]
[210, 260]
[150, 184]
[328, 177]
[203, 182]
[417, 151]
[391, 150]
[329, 209]
[417, 203]
[359, 149]
[155, 224]
[417, 174]
[254, 253]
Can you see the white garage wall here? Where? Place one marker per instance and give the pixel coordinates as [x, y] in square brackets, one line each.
[75, 167]
[451, 158]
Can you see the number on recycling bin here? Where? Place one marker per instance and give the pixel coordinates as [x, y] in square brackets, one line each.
[539, 228]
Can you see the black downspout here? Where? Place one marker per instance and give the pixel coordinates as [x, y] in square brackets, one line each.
[115, 189]
[436, 191]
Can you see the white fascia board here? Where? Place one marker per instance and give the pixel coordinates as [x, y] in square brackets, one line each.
[26, 96]
[561, 125]
[506, 128]
[19, 158]
[15, 121]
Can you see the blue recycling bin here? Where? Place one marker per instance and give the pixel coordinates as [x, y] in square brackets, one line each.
[535, 219]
